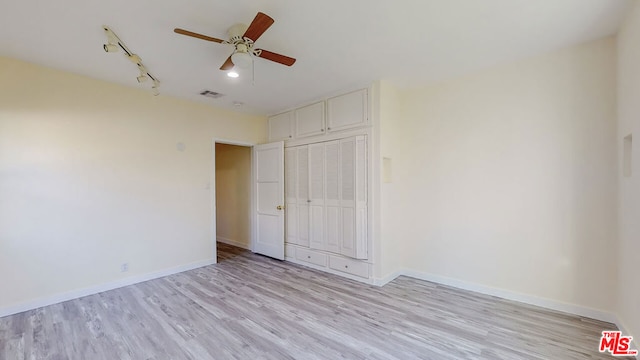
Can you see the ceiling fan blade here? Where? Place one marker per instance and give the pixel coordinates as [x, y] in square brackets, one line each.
[258, 26]
[228, 65]
[196, 35]
[284, 60]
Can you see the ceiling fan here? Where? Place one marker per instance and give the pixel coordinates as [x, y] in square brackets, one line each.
[243, 38]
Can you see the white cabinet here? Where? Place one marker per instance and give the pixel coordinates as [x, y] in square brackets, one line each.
[309, 120]
[347, 111]
[338, 113]
[281, 127]
[326, 196]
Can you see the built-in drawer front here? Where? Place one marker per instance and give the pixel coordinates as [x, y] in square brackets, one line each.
[311, 257]
[353, 267]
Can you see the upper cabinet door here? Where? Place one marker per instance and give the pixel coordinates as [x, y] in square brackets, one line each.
[347, 111]
[281, 127]
[309, 120]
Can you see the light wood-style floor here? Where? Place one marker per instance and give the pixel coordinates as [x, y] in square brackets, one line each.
[253, 307]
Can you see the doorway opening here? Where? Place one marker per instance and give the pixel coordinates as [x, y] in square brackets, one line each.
[232, 198]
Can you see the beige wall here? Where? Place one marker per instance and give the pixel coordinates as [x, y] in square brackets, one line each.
[629, 187]
[233, 194]
[507, 178]
[90, 178]
[393, 239]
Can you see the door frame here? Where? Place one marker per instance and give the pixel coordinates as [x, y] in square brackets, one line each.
[213, 192]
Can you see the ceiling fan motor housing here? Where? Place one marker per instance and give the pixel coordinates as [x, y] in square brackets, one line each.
[235, 33]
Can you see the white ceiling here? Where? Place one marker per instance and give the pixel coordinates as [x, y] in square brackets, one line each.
[339, 44]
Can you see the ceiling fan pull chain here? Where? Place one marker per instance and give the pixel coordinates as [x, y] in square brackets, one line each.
[253, 73]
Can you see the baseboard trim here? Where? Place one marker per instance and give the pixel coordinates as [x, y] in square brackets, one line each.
[387, 279]
[625, 331]
[233, 242]
[504, 294]
[91, 290]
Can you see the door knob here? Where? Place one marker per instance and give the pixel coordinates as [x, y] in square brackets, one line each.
[280, 207]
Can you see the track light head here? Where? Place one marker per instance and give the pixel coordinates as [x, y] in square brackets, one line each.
[110, 47]
[155, 88]
[142, 78]
[135, 59]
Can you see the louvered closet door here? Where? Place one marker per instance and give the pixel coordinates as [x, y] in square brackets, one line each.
[303, 195]
[333, 210]
[347, 198]
[316, 195]
[291, 195]
[361, 198]
[353, 197]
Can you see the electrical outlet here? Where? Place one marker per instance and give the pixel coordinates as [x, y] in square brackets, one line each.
[124, 267]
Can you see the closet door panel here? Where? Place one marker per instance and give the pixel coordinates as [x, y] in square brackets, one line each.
[360, 246]
[302, 171]
[291, 175]
[316, 195]
[291, 220]
[348, 244]
[303, 225]
[291, 195]
[316, 238]
[334, 228]
[333, 213]
[347, 172]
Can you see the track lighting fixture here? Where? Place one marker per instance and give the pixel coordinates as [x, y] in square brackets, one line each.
[110, 47]
[114, 43]
[155, 89]
[143, 74]
[135, 59]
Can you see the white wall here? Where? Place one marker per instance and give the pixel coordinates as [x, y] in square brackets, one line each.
[629, 187]
[233, 194]
[392, 240]
[507, 178]
[90, 178]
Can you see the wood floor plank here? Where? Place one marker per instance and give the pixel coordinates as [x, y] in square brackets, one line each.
[251, 307]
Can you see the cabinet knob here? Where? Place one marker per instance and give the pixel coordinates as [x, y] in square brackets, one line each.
[308, 256]
[290, 136]
[321, 129]
[328, 128]
[346, 266]
[309, 200]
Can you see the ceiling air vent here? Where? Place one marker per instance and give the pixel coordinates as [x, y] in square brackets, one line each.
[211, 94]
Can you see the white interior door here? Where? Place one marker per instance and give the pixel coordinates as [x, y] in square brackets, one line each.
[268, 183]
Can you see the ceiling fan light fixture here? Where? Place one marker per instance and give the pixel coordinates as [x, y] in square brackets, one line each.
[241, 59]
[233, 74]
